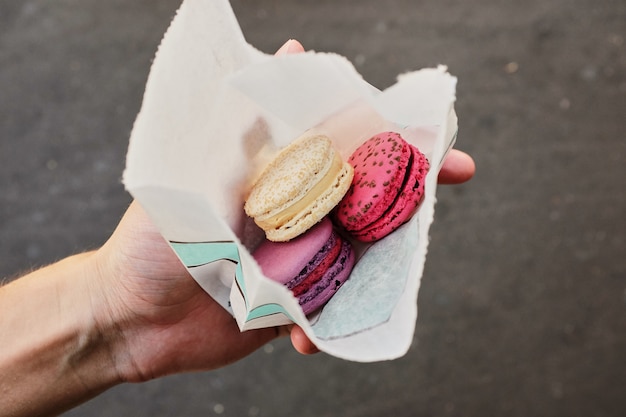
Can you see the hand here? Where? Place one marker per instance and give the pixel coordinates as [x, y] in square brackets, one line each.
[166, 322]
[126, 312]
[457, 168]
[165, 312]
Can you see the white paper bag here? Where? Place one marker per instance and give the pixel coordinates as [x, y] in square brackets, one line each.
[216, 110]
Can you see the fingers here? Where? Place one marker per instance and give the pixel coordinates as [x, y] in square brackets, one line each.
[301, 342]
[283, 331]
[299, 339]
[292, 46]
[458, 168]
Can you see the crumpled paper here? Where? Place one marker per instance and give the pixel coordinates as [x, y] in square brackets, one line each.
[216, 110]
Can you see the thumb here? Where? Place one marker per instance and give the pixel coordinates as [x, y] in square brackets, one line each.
[292, 46]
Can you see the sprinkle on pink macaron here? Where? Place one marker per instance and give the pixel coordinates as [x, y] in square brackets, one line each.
[387, 188]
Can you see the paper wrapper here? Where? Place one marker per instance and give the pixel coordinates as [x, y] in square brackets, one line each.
[216, 110]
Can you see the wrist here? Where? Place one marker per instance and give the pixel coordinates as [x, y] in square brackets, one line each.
[109, 314]
[89, 352]
[53, 343]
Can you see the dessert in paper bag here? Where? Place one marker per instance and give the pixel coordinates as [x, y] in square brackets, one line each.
[216, 111]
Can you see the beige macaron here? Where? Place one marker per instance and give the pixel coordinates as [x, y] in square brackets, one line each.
[305, 181]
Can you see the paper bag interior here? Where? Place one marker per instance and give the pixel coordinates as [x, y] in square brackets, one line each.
[216, 110]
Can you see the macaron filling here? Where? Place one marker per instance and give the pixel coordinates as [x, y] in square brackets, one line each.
[330, 282]
[275, 219]
[313, 265]
[305, 282]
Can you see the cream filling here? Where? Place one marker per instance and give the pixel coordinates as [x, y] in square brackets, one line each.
[282, 217]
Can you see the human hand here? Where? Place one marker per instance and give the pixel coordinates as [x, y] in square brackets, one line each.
[129, 311]
[458, 166]
[166, 322]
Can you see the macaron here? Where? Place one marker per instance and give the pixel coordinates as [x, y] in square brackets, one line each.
[305, 181]
[313, 266]
[387, 187]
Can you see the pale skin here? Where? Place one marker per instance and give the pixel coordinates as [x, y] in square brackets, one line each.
[126, 312]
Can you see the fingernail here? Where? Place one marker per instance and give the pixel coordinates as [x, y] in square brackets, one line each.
[287, 48]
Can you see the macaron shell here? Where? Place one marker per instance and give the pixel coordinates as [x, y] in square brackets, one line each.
[294, 171]
[310, 276]
[282, 261]
[316, 211]
[406, 204]
[330, 282]
[380, 165]
[320, 254]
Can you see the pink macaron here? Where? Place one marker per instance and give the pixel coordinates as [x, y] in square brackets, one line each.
[387, 188]
[313, 265]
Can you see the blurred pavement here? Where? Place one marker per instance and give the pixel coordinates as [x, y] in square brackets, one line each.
[522, 309]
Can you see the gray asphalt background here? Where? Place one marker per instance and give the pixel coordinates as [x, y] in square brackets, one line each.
[522, 309]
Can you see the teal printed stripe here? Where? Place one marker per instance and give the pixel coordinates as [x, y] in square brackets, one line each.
[194, 254]
[268, 310]
[202, 253]
[264, 310]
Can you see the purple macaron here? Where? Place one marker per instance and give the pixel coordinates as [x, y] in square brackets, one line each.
[313, 265]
